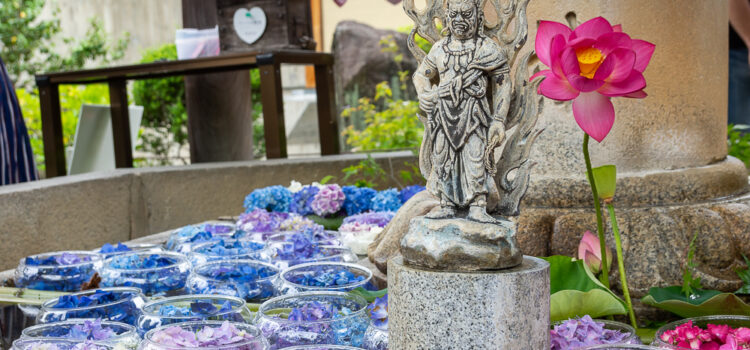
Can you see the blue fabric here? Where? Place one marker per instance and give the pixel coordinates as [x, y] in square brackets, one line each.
[16, 158]
[739, 87]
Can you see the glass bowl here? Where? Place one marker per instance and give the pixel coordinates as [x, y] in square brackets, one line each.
[79, 329]
[376, 338]
[151, 340]
[58, 271]
[286, 254]
[324, 276]
[226, 249]
[630, 335]
[57, 344]
[188, 308]
[183, 239]
[142, 270]
[125, 306]
[253, 281]
[339, 319]
[734, 321]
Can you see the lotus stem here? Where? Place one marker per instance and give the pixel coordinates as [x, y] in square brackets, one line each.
[621, 265]
[604, 277]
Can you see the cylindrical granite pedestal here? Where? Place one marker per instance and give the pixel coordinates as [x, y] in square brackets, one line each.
[436, 310]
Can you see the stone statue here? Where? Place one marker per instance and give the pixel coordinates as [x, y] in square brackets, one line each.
[469, 103]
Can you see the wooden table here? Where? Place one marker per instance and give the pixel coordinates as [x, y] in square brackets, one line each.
[269, 64]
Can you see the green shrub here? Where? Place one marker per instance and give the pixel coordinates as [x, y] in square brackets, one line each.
[164, 124]
[739, 143]
[71, 99]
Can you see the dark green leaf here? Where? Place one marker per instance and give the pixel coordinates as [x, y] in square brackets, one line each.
[703, 302]
[332, 223]
[370, 296]
[745, 277]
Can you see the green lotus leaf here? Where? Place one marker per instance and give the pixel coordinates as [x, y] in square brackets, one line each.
[568, 303]
[702, 303]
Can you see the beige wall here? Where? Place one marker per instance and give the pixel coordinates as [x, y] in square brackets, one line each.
[377, 13]
[150, 22]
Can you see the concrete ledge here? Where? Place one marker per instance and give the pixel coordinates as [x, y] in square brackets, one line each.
[86, 211]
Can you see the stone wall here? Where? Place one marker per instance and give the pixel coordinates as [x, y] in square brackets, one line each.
[86, 211]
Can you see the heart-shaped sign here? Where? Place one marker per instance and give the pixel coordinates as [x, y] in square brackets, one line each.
[250, 24]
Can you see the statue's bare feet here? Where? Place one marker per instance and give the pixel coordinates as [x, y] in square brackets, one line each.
[479, 214]
[443, 213]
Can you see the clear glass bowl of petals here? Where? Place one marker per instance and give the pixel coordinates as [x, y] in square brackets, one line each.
[59, 344]
[314, 318]
[708, 332]
[154, 273]
[322, 347]
[214, 335]
[188, 308]
[323, 237]
[286, 254]
[226, 249]
[184, 239]
[253, 281]
[106, 332]
[585, 331]
[58, 271]
[325, 276]
[111, 304]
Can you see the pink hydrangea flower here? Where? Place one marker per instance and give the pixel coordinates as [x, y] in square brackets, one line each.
[328, 201]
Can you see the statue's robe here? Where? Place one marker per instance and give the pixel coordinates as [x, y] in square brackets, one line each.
[458, 126]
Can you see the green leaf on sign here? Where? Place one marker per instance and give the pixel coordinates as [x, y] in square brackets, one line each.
[605, 178]
[576, 292]
[700, 303]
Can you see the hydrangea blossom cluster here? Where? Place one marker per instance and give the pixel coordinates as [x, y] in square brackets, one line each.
[120, 306]
[380, 219]
[388, 200]
[299, 223]
[409, 191]
[378, 311]
[238, 278]
[302, 200]
[273, 198]
[714, 337]
[226, 334]
[328, 200]
[582, 332]
[358, 199]
[324, 276]
[258, 220]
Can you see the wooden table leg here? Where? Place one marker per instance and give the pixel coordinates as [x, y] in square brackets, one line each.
[273, 109]
[118, 99]
[52, 134]
[328, 126]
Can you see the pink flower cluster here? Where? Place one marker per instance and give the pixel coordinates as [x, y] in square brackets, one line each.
[715, 337]
[328, 201]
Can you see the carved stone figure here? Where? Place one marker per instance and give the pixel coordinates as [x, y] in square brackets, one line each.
[469, 104]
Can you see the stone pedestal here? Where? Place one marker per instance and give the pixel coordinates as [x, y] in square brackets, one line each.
[505, 309]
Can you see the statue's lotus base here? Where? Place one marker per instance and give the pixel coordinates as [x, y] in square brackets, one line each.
[507, 309]
[461, 245]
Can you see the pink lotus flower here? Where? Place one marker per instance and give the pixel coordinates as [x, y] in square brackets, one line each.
[590, 252]
[589, 65]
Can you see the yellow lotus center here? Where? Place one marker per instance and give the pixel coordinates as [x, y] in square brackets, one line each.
[589, 60]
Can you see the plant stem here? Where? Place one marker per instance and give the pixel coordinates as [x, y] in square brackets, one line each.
[604, 278]
[621, 265]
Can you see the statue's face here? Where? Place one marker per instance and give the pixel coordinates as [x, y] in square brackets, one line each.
[463, 18]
